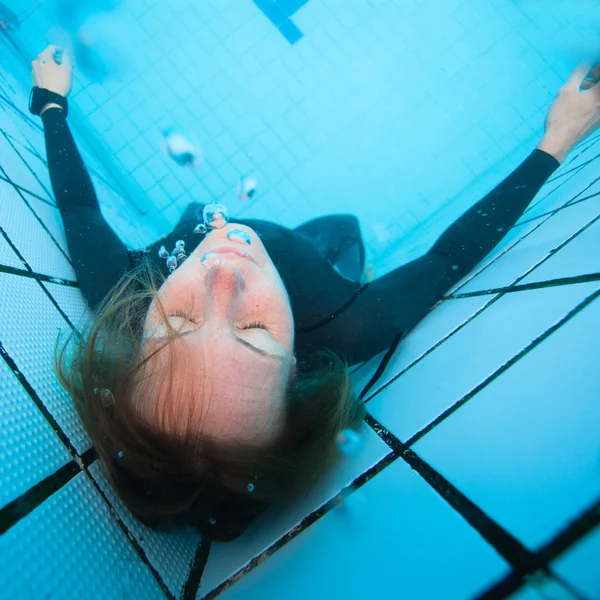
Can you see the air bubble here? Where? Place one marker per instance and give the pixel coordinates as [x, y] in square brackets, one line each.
[171, 263]
[180, 148]
[120, 455]
[250, 487]
[180, 244]
[500, 229]
[212, 520]
[210, 260]
[246, 188]
[239, 235]
[216, 216]
[200, 228]
[348, 442]
[106, 398]
[455, 267]
[163, 252]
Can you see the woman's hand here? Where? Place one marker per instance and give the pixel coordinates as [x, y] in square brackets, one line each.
[574, 114]
[46, 73]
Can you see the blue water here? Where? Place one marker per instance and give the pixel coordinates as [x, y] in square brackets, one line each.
[401, 112]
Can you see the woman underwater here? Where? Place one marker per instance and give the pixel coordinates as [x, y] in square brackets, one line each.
[214, 389]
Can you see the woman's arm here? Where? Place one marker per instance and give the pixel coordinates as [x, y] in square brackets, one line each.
[98, 255]
[396, 302]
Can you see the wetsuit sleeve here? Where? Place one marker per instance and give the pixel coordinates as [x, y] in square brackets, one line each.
[98, 255]
[396, 302]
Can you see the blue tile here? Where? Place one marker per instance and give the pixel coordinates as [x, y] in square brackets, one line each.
[579, 565]
[272, 11]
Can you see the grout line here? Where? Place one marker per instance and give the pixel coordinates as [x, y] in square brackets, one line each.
[33, 275]
[577, 529]
[23, 189]
[475, 274]
[38, 219]
[532, 286]
[502, 292]
[550, 254]
[561, 208]
[20, 507]
[417, 436]
[27, 165]
[192, 585]
[304, 524]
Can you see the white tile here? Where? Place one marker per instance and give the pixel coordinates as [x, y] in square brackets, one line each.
[581, 256]
[17, 171]
[26, 232]
[170, 554]
[580, 566]
[582, 182]
[395, 533]
[470, 356]
[535, 247]
[526, 448]
[434, 327]
[29, 325]
[8, 257]
[227, 558]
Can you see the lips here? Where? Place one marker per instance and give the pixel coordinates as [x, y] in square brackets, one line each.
[235, 251]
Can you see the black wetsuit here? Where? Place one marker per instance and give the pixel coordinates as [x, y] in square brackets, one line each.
[331, 310]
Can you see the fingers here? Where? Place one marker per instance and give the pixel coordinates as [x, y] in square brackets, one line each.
[48, 51]
[578, 75]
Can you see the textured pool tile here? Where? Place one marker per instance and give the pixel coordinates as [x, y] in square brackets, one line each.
[526, 447]
[394, 533]
[470, 356]
[580, 565]
[54, 550]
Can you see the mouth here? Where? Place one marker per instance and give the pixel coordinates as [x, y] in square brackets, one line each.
[236, 251]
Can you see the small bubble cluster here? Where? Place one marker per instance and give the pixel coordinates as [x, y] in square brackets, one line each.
[175, 258]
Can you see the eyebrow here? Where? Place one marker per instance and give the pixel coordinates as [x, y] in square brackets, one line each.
[248, 345]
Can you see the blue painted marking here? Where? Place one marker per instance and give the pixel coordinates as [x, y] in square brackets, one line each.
[289, 30]
[279, 13]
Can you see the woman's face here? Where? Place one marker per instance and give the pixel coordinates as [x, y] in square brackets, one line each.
[240, 334]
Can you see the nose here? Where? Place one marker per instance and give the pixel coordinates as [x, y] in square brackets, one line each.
[225, 286]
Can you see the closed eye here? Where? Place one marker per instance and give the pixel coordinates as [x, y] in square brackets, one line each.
[254, 325]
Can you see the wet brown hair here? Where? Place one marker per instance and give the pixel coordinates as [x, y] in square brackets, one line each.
[169, 478]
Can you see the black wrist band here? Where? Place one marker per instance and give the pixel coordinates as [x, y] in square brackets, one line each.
[39, 97]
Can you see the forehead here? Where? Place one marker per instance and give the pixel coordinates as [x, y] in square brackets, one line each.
[240, 395]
